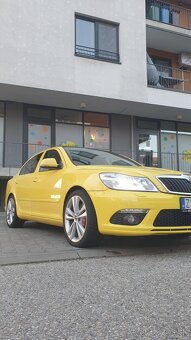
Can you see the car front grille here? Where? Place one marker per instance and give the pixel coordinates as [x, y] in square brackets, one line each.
[177, 184]
[173, 218]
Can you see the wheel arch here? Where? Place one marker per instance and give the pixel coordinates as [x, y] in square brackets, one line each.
[7, 198]
[78, 187]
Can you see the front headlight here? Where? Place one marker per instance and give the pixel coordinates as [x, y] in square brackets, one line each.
[123, 182]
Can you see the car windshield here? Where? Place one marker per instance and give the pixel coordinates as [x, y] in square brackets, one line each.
[82, 156]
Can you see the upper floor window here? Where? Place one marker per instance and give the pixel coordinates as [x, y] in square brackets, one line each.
[97, 39]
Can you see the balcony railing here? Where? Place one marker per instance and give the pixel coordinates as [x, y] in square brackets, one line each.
[13, 155]
[168, 13]
[166, 160]
[94, 53]
[168, 78]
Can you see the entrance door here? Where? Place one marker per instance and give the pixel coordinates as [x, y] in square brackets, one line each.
[38, 130]
[148, 154]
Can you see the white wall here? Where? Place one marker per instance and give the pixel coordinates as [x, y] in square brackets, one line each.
[37, 47]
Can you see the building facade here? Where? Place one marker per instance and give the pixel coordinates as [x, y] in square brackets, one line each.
[110, 74]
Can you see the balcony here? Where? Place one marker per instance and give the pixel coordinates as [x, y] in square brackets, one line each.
[168, 13]
[168, 78]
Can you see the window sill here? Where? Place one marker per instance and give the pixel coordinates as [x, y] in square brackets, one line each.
[98, 58]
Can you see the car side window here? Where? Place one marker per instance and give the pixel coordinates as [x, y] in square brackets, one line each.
[30, 166]
[52, 154]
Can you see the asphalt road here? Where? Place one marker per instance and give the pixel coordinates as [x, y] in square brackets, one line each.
[126, 288]
[129, 297]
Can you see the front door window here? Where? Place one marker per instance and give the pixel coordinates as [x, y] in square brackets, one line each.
[148, 149]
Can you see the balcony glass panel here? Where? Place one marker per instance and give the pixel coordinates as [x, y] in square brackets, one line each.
[168, 13]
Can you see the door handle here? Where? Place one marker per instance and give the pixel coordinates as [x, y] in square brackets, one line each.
[35, 180]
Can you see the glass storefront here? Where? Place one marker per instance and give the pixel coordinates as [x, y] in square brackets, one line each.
[167, 147]
[87, 129]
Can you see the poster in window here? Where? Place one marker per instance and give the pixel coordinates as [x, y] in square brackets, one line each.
[39, 138]
[96, 137]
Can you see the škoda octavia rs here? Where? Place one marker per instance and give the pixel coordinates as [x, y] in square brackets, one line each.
[91, 192]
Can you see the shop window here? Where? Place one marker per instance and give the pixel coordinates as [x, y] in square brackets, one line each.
[96, 119]
[184, 142]
[96, 137]
[38, 130]
[168, 141]
[68, 116]
[96, 131]
[97, 39]
[168, 125]
[38, 113]
[168, 149]
[39, 138]
[69, 135]
[184, 127]
[147, 124]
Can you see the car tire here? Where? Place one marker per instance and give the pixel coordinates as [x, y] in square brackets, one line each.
[80, 221]
[13, 221]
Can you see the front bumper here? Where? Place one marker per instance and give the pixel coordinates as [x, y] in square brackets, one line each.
[108, 202]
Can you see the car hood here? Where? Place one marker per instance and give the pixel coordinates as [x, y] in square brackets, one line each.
[151, 173]
[132, 170]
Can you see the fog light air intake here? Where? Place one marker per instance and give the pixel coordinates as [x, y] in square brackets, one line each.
[129, 216]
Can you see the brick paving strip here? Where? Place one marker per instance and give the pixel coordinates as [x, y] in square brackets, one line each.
[37, 242]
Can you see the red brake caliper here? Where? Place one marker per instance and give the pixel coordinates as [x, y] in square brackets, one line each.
[84, 221]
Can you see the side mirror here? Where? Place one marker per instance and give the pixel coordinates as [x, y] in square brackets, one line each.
[50, 163]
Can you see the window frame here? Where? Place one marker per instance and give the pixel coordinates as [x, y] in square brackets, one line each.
[96, 23]
[38, 156]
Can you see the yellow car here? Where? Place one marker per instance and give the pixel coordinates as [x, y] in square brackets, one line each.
[92, 192]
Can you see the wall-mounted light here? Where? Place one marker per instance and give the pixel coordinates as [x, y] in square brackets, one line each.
[179, 117]
[83, 105]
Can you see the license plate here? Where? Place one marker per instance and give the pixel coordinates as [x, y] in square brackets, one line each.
[185, 204]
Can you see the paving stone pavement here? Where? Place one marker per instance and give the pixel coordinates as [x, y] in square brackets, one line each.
[37, 242]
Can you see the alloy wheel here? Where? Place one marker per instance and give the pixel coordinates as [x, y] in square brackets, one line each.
[75, 218]
[11, 210]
